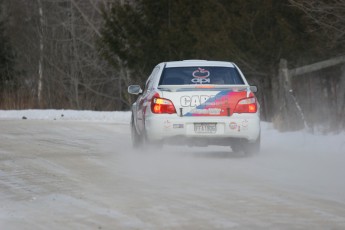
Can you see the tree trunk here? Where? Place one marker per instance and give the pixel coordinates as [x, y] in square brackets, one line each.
[341, 98]
[40, 62]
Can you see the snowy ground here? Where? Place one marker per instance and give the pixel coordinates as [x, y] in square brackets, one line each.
[58, 170]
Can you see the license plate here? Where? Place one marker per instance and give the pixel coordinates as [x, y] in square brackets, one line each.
[205, 127]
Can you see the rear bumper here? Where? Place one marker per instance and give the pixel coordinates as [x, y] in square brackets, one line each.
[172, 128]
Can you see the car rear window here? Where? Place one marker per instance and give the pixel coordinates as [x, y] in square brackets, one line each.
[201, 75]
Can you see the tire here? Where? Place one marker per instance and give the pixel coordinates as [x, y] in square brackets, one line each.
[248, 148]
[137, 139]
[252, 148]
[237, 147]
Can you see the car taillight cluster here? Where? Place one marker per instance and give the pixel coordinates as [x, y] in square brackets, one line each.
[162, 105]
[246, 105]
[165, 106]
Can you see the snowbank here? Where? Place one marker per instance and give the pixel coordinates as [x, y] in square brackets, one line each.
[72, 115]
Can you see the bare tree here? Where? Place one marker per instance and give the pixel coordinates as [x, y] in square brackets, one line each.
[58, 59]
[41, 45]
[327, 16]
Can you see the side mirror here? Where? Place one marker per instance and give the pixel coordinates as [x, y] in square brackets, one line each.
[253, 88]
[134, 89]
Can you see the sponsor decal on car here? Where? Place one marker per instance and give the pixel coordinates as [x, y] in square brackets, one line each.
[209, 111]
[167, 124]
[194, 100]
[245, 124]
[233, 125]
[200, 76]
[221, 104]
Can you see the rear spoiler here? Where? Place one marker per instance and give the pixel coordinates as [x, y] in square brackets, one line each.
[181, 88]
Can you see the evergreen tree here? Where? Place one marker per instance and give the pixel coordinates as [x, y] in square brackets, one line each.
[255, 34]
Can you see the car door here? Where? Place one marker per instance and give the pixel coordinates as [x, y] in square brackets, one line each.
[144, 101]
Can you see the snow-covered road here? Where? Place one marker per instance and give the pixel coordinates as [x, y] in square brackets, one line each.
[62, 174]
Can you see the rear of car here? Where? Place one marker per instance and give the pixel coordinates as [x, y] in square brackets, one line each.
[199, 103]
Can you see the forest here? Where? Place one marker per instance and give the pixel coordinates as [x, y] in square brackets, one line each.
[83, 54]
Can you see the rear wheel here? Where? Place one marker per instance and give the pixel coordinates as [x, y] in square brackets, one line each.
[237, 146]
[252, 148]
[248, 148]
[137, 139]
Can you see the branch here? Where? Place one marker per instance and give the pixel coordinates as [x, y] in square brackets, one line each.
[86, 18]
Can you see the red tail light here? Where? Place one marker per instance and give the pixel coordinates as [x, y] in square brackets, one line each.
[246, 105]
[162, 105]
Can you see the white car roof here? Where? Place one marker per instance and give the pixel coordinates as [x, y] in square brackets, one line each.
[186, 63]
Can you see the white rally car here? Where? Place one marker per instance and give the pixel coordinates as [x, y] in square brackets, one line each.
[197, 103]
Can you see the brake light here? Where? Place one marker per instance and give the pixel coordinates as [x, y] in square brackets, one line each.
[162, 105]
[247, 105]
